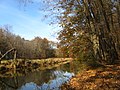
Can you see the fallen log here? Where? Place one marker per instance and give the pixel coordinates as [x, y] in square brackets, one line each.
[13, 49]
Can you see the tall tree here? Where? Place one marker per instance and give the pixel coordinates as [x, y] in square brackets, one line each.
[89, 27]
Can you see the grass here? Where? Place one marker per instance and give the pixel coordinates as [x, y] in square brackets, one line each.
[31, 65]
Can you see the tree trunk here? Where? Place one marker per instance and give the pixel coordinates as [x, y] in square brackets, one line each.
[110, 50]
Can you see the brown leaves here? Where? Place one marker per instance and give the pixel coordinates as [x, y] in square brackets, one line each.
[105, 79]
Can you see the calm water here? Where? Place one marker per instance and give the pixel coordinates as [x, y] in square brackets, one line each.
[49, 79]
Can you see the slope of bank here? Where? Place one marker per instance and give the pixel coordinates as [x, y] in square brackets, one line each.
[107, 78]
[7, 67]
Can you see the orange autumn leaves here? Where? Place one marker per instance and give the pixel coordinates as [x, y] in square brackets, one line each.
[107, 78]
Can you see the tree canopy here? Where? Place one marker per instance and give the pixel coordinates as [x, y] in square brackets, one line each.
[90, 29]
[26, 49]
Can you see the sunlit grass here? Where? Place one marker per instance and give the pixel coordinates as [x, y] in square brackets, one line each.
[8, 67]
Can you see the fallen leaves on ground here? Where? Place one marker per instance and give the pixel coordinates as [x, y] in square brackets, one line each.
[107, 78]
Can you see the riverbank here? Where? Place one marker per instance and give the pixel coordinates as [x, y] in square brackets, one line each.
[105, 78]
[7, 67]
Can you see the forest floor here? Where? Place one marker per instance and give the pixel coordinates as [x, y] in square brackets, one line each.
[105, 78]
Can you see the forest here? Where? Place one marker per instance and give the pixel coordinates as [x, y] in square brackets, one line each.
[89, 34]
[36, 48]
[89, 29]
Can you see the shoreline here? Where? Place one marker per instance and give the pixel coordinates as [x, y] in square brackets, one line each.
[8, 67]
[107, 78]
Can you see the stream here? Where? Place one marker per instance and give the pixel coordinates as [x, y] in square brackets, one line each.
[48, 79]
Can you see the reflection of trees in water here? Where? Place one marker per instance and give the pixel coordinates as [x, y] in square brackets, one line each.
[61, 78]
[73, 66]
[76, 66]
[49, 78]
[38, 77]
[6, 84]
[65, 67]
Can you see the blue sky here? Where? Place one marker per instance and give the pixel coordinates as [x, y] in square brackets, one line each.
[28, 22]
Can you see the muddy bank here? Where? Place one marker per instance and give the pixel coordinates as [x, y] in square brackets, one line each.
[107, 78]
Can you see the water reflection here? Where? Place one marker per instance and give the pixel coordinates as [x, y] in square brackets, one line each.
[61, 77]
[49, 79]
